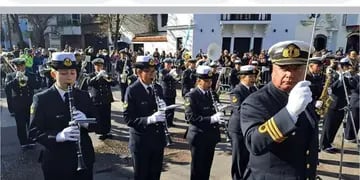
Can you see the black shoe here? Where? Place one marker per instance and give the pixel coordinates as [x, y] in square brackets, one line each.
[102, 137]
[330, 150]
[109, 135]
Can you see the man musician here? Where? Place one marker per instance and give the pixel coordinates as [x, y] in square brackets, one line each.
[168, 81]
[188, 79]
[279, 125]
[146, 121]
[100, 83]
[124, 70]
[316, 78]
[49, 126]
[19, 89]
[234, 80]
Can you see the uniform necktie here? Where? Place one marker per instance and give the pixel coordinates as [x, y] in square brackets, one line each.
[66, 98]
[149, 90]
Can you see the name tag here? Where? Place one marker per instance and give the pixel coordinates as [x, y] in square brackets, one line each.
[59, 116]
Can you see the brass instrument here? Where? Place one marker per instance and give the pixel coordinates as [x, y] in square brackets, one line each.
[162, 107]
[123, 75]
[83, 76]
[325, 97]
[107, 77]
[22, 79]
[80, 158]
[8, 66]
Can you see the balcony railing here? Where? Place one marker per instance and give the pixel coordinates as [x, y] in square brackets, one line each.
[245, 17]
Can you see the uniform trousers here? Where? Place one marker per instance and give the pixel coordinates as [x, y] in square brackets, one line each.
[22, 123]
[332, 122]
[240, 156]
[349, 129]
[147, 163]
[104, 118]
[51, 173]
[201, 160]
[169, 113]
[123, 87]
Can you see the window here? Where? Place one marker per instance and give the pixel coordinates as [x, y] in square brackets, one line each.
[75, 19]
[164, 20]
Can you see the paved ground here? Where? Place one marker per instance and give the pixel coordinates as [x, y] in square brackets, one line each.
[113, 160]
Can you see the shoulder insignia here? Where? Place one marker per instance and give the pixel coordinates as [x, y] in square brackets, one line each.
[32, 109]
[187, 101]
[234, 99]
[125, 105]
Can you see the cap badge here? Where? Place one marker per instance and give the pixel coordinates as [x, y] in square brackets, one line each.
[67, 62]
[210, 73]
[291, 51]
[151, 62]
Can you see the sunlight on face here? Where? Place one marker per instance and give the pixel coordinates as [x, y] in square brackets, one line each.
[64, 77]
[287, 76]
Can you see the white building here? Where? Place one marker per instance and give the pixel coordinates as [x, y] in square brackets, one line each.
[244, 32]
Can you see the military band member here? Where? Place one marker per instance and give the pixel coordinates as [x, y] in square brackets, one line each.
[234, 80]
[124, 69]
[5, 68]
[100, 92]
[146, 122]
[168, 83]
[188, 77]
[19, 88]
[354, 105]
[240, 155]
[279, 125]
[316, 78]
[50, 117]
[203, 133]
[335, 113]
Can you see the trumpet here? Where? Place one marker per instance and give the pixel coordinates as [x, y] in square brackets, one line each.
[162, 107]
[105, 76]
[22, 78]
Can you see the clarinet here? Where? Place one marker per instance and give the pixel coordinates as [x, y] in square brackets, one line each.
[225, 123]
[161, 107]
[80, 159]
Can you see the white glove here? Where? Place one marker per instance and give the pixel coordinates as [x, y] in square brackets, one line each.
[78, 116]
[25, 78]
[347, 74]
[158, 116]
[318, 104]
[299, 98]
[101, 73]
[71, 133]
[217, 118]
[173, 73]
[162, 104]
[18, 74]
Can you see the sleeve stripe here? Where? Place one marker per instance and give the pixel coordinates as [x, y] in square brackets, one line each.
[277, 131]
[271, 131]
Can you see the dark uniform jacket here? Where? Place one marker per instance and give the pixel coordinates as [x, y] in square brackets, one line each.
[338, 93]
[316, 86]
[198, 111]
[100, 90]
[138, 106]
[49, 116]
[168, 84]
[234, 79]
[237, 96]
[279, 148]
[355, 89]
[188, 80]
[21, 96]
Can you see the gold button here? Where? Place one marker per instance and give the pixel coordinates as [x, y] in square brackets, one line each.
[293, 133]
[308, 166]
[157, 131]
[307, 152]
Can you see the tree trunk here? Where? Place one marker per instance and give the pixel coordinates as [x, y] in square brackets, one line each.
[117, 30]
[9, 30]
[110, 30]
[17, 29]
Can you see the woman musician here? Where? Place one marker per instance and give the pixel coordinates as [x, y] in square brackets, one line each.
[49, 126]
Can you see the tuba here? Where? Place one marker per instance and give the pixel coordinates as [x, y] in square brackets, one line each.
[213, 51]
